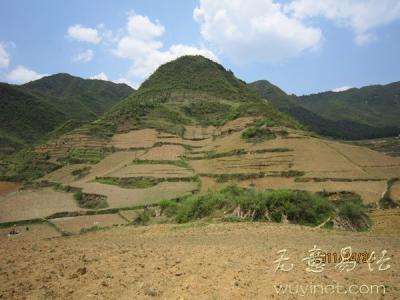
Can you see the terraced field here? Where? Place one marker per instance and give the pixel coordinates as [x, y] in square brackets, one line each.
[65, 175]
[76, 224]
[152, 170]
[395, 191]
[31, 232]
[167, 165]
[122, 197]
[164, 152]
[144, 138]
[32, 204]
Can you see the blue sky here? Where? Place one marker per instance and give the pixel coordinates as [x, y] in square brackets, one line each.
[303, 46]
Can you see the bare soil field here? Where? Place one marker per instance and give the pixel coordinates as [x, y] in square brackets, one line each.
[317, 157]
[247, 163]
[31, 204]
[164, 152]
[121, 197]
[130, 214]
[365, 157]
[64, 175]
[198, 133]
[386, 221]
[110, 164]
[218, 261]
[143, 138]
[152, 170]
[7, 187]
[75, 224]
[34, 232]
[237, 124]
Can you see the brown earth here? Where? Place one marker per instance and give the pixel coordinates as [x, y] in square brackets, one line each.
[386, 220]
[8, 187]
[218, 261]
[75, 224]
[31, 204]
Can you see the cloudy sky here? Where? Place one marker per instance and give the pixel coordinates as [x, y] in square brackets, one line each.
[303, 46]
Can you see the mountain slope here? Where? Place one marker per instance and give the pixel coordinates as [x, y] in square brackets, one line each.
[77, 97]
[306, 114]
[377, 105]
[24, 117]
[191, 90]
[63, 102]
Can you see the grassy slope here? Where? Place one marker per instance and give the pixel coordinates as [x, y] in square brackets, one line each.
[192, 90]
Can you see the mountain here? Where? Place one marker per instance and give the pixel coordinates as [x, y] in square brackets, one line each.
[24, 116]
[77, 97]
[376, 105]
[301, 109]
[191, 90]
[61, 101]
[272, 94]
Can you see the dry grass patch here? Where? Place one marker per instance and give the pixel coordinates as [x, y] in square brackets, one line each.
[76, 224]
[32, 204]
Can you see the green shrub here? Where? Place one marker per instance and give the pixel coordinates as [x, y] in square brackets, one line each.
[300, 207]
[257, 134]
[143, 218]
[168, 207]
[78, 195]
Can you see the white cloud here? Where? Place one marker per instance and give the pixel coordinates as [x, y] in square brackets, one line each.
[141, 44]
[103, 76]
[342, 88]
[84, 34]
[126, 81]
[22, 74]
[256, 32]
[360, 16]
[100, 76]
[4, 57]
[84, 56]
[142, 28]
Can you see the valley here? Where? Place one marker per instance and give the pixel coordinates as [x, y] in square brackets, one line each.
[192, 165]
